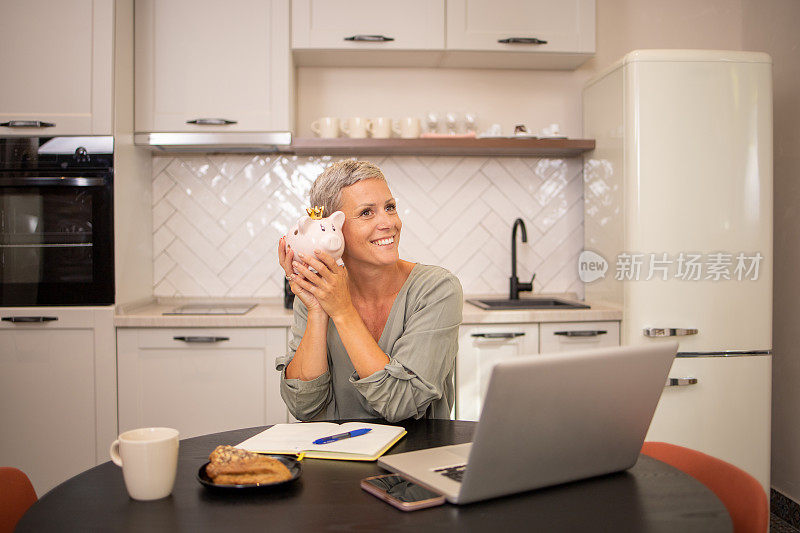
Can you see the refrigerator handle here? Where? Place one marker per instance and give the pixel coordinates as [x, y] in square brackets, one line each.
[681, 382]
[668, 332]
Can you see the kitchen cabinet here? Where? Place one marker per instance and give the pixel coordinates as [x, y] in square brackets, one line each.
[480, 347]
[520, 33]
[568, 336]
[368, 24]
[430, 33]
[203, 68]
[57, 62]
[200, 380]
[58, 391]
[719, 406]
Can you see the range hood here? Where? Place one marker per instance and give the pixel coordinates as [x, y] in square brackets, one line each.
[265, 142]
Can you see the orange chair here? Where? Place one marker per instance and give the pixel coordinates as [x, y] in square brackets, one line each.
[742, 495]
[16, 496]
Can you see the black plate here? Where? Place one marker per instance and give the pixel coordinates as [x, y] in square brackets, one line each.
[292, 464]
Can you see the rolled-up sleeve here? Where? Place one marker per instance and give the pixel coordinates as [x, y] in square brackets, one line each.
[304, 399]
[422, 359]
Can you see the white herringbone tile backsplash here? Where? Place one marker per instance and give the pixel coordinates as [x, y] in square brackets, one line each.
[217, 219]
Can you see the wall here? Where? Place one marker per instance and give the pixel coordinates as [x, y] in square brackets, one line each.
[770, 28]
[217, 219]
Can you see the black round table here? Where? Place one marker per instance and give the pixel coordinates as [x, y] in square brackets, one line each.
[651, 496]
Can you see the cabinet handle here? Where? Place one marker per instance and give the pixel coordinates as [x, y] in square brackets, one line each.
[498, 335]
[681, 382]
[202, 339]
[29, 319]
[27, 124]
[521, 40]
[582, 333]
[369, 38]
[668, 332]
[211, 121]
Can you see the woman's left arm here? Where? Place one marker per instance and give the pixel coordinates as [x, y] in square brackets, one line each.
[329, 286]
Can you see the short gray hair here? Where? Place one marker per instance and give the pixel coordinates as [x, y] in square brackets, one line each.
[327, 188]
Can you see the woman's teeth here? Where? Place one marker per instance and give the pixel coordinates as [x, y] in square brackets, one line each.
[384, 242]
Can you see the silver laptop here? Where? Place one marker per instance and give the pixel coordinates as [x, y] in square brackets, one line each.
[549, 419]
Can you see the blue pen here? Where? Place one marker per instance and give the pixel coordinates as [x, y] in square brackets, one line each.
[340, 436]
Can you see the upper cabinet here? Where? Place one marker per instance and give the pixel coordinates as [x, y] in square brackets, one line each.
[520, 33]
[203, 66]
[368, 24]
[57, 67]
[547, 34]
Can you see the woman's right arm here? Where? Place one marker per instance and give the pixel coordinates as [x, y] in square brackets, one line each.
[305, 384]
[310, 359]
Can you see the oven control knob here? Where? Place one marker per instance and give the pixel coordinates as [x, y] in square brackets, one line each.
[81, 155]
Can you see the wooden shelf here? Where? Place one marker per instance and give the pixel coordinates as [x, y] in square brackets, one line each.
[443, 146]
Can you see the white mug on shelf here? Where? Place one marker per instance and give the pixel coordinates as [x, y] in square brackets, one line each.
[326, 127]
[149, 461]
[380, 128]
[355, 127]
[407, 128]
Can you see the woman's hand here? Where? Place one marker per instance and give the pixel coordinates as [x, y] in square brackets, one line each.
[286, 258]
[328, 284]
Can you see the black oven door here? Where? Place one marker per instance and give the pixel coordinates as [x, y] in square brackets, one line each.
[56, 240]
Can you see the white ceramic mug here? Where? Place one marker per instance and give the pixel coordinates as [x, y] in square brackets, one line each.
[380, 128]
[326, 127]
[149, 461]
[407, 128]
[355, 127]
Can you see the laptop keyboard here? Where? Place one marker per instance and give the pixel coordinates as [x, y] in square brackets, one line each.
[456, 473]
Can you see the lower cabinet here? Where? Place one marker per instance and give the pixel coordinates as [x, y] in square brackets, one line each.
[57, 391]
[720, 406]
[199, 380]
[481, 346]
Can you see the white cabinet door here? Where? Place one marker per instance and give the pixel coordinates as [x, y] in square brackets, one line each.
[725, 413]
[330, 24]
[568, 336]
[200, 60]
[199, 380]
[57, 66]
[480, 347]
[55, 410]
[537, 33]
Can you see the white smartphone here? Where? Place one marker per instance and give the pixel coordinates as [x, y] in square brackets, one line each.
[400, 492]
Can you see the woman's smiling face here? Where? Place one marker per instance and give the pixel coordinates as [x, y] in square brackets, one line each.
[371, 227]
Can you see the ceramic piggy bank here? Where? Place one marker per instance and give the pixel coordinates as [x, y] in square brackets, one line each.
[313, 232]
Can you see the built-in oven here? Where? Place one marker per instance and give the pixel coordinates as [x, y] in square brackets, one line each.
[56, 221]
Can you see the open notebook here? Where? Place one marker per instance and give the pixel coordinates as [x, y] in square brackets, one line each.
[297, 439]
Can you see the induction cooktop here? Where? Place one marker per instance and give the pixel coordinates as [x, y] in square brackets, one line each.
[211, 309]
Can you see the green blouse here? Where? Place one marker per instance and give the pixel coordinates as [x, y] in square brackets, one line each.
[421, 339]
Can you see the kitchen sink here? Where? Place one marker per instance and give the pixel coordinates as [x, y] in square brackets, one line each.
[505, 304]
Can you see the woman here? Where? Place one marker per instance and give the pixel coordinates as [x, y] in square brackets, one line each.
[378, 336]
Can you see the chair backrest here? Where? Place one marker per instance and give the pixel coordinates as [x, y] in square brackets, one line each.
[17, 496]
[741, 493]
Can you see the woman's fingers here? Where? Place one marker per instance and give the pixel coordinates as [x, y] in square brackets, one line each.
[306, 272]
[326, 259]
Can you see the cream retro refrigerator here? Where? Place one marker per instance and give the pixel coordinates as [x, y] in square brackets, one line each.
[678, 199]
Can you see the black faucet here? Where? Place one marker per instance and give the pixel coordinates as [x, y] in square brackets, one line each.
[515, 286]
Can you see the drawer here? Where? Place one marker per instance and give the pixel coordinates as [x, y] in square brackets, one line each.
[568, 336]
[201, 338]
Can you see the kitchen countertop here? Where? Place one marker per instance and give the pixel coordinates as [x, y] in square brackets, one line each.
[270, 312]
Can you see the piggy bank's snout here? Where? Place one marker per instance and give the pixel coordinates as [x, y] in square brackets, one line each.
[332, 242]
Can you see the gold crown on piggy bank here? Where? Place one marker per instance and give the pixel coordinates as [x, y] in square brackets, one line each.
[315, 213]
